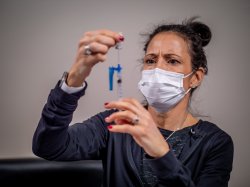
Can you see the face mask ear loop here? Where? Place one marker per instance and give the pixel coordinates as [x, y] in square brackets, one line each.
[188, 91]
[188, 75]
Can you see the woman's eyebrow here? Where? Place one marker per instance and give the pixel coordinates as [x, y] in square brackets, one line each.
[150, 54]
[169, 55]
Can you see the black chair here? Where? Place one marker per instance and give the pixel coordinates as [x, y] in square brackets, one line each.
[36, 172]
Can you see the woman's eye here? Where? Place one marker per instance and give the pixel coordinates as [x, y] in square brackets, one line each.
[173, 62]
[149, 61]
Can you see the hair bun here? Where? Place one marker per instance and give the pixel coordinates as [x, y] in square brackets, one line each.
[203, 31]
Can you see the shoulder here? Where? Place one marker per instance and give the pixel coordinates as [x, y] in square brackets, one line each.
[214, 135]
[210, 128]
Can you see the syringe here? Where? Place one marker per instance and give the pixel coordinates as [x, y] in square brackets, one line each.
[112, 69]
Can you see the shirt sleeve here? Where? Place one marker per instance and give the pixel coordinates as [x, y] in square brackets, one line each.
[71, 90]
[55, 139]
[215, 169]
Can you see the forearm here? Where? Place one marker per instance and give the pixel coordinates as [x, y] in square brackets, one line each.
[50, 138]
[171, 172]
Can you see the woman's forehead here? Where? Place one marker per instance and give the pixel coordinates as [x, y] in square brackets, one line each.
[168, 42]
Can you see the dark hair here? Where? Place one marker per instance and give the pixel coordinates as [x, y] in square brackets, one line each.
[197, 35]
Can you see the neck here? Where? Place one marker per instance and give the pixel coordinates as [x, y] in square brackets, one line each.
[175, 119]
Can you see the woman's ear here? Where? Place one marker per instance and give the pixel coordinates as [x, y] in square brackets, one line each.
[197, 77]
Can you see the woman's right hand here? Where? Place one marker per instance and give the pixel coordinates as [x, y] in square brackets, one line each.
[99, 42]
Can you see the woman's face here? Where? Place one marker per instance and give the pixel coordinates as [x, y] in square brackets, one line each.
[169, 52]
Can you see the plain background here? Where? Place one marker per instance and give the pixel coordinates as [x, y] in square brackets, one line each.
[38, 42]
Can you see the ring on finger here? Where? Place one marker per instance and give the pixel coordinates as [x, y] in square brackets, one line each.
[87, 50]
[135, 120]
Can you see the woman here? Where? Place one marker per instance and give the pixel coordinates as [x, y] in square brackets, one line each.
[161, 144]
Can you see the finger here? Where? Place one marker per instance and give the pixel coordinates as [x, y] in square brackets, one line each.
[125, 128]
[98, 57]
[121, 121]
[95, 48]
[122, 105]
[93, 58]
[105, 40]
[126, 116]
[133, 102]
[115, 35]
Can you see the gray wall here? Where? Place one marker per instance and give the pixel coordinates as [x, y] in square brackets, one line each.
[39, 41]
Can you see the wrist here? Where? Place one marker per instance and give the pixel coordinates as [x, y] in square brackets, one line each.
[77, 77]
[161, 150]
[74, 81]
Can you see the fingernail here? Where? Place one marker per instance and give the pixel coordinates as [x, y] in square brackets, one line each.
[105, 104]
[107, 119]
[110, 127]
[121, 38]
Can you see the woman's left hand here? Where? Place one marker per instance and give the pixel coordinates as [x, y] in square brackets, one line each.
[134, 119]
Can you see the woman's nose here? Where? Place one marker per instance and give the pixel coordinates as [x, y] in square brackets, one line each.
[160, 63]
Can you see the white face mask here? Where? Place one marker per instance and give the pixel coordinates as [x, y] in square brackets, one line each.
[162, 89]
